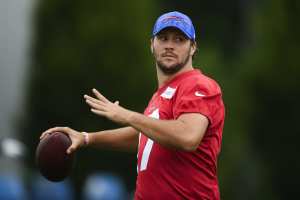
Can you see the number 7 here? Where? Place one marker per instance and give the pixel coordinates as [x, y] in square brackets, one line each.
[149, 145]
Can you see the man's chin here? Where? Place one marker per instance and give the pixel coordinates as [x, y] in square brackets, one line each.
[169, 65]
[169, 69]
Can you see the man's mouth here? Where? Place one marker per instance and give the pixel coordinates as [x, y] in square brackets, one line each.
[169, 55]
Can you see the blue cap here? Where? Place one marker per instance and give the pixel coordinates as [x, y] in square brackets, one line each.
[177, 20]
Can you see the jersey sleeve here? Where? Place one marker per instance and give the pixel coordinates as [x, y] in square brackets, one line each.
[203, 98]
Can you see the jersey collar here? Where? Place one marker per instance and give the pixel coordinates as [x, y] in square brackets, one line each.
[177, 78]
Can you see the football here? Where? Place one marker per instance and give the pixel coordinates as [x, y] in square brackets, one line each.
[51, 157]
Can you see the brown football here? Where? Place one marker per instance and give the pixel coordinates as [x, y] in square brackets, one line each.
[51, 157]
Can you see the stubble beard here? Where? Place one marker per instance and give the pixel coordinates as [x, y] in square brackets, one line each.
[173, 69]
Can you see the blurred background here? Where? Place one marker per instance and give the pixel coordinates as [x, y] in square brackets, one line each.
[52, 52]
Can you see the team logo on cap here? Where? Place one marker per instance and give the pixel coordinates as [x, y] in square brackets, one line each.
[176, 18]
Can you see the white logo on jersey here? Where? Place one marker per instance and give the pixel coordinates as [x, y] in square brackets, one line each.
[168, 93]
[199, 94]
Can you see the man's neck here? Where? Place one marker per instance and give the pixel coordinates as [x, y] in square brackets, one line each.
[163, 78]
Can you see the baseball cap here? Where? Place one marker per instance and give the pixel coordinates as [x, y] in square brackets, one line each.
[177, 20]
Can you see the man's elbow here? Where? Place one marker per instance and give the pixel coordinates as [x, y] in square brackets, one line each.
[190, 144]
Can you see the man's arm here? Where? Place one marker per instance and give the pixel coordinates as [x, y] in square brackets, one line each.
[185, 133]
[120, 139]
[125, 139]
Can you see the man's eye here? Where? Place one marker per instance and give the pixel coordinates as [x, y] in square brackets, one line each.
[162, 38]
[179, 39]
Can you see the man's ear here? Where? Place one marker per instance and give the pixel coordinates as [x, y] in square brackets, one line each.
[151, 45]
[193, 47]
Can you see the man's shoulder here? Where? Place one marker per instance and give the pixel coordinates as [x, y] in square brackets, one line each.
[200, 80]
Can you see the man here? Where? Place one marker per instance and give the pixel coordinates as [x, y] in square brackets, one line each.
[179, 136]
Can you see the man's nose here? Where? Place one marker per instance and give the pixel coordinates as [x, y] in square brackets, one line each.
[169, 44]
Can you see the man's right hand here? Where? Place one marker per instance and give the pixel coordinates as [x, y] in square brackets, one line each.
[76, 137]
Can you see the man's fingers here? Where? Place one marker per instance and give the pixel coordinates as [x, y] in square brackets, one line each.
[87, 97]
[98, 112]
[55, 129]
[91, 104]
[99, 106]
[99, 95]
[47, 132]
[71, 149]
[43, 135]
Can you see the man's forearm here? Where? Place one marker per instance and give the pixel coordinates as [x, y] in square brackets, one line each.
[170, 133]
[125, 139]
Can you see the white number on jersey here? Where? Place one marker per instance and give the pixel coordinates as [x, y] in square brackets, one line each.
[149, 144]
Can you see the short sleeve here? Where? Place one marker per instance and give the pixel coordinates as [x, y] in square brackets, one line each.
[198, 98]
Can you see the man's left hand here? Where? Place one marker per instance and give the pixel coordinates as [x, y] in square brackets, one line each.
[103, 107]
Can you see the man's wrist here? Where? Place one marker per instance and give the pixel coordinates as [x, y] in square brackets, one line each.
[86, 138]
[130, 117]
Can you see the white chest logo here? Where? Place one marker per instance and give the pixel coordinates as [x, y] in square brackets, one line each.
[199, 94]
[168, 93]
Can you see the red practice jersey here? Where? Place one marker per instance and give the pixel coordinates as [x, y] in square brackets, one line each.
[165, 173]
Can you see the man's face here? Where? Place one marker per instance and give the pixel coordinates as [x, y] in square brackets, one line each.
[172, 50]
